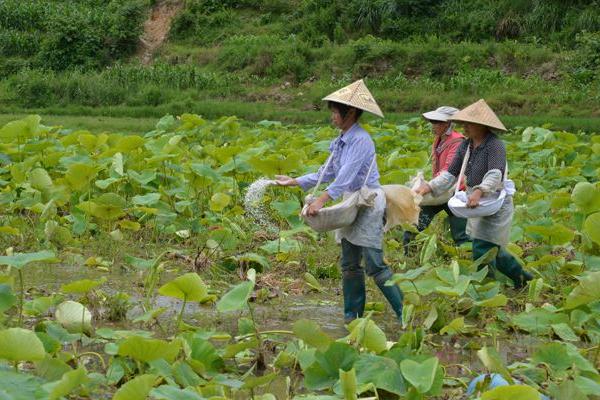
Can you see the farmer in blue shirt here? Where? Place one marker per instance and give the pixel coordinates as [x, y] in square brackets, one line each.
[353, 164]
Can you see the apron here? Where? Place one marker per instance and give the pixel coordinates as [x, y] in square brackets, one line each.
[367, 228]
[494, 228]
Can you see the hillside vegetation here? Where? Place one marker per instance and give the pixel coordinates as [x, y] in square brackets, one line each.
[525, 57]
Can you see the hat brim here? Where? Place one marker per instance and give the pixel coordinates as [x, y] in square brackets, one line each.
[348, 103]
[479, 122]
[436, 116]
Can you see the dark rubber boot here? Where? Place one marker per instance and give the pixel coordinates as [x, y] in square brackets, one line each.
[458, 229]
[504, 262]
[353, 286]
[393, 294]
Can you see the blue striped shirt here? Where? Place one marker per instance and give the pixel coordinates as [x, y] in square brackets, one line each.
[352, 153]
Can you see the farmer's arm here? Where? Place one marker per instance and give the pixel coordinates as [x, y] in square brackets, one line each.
[446, 179]
[361, 153]
[310, 180]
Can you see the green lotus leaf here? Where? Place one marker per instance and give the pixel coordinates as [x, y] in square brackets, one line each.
[17, 344]
[189, 287]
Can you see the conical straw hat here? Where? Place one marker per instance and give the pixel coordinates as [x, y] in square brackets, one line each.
[479, 113]
[356, 95]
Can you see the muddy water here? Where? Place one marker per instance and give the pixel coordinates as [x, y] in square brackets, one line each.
[278, 313]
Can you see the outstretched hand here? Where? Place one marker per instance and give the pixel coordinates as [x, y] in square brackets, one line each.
[284, 180]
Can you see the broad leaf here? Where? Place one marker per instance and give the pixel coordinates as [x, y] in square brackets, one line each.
[146, 350]
[19, 260]
[136, 389]
[189, 287]
[420, 375]
[17, 344]
[236, 298]
[513, 392]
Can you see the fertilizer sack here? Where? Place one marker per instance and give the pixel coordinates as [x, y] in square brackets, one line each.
[341, 214]
[402, 206]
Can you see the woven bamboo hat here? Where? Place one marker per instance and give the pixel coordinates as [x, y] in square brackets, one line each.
[479, 113]
[356, 95]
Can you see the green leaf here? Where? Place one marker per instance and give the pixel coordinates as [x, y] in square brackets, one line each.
[513, 392]
[491, 359]
[420, 375]
[19, 260]
[17, 344]
[189, 287]
[167, 392]
[456, 326]
[498, 300]
[586, 197]
[538, 321]
[20, 386]
[310, 332]
[348, 383]
[555, 234]
[236, 298]
[74, 316]
[586, 291]
[82, 286]
[147, 199]
[591, 227]
[323, 373]
[219, 201]
[40, 179]
[136, 389]
[79, 176]
[366, 333]
[146, 350]
[22, 128]
[565, 332]
[312, 282]
[383, 372]
[69, 382]
[554, 355]
[567, 390]
[7, 297]
[252, 382]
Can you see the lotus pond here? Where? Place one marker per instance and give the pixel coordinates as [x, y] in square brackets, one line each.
[131, 270]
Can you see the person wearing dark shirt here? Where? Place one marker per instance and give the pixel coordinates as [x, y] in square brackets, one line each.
[484, 175]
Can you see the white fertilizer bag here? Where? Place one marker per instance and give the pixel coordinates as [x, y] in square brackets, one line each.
[341, 214]
[490, 204]
[402, 206]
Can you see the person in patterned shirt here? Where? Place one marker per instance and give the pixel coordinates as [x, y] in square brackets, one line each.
[444, 148]
[485, 172]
